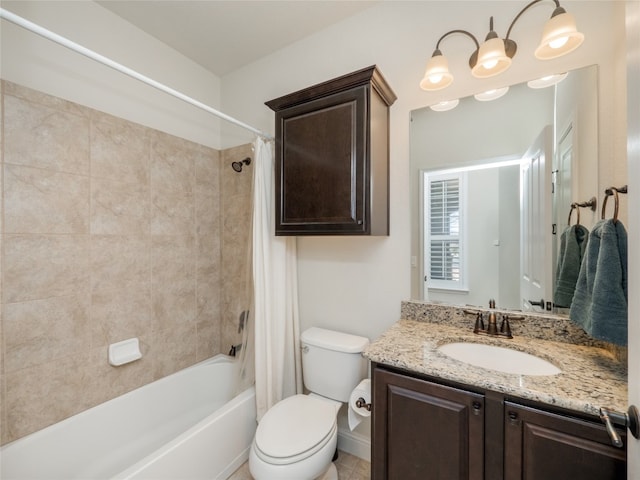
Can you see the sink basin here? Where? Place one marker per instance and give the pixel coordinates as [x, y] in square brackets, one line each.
[498, 358]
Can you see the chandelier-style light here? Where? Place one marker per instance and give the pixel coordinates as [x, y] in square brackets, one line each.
[559, 37]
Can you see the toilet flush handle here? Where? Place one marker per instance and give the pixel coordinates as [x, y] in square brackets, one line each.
[304, 348]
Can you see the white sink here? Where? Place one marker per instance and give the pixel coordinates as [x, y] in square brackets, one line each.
[498, 358]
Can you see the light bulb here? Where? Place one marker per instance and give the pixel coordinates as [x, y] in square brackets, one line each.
[435, 78]
[558, 42]
[489, 64]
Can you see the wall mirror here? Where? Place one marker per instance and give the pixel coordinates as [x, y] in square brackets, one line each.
[521, 160]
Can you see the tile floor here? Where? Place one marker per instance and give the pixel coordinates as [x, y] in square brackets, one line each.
[349, 468]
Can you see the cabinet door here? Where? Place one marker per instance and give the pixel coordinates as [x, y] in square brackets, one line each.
[322, 165]
[545, 446]
[425, 431]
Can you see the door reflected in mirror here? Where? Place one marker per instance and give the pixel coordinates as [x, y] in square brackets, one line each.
[525, 157]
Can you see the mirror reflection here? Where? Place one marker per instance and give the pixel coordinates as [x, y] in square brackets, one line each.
[492, 183]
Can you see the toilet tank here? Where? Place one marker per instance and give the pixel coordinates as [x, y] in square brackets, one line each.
[332, 362]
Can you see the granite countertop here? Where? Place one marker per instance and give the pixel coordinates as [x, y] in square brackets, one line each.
[591, 376]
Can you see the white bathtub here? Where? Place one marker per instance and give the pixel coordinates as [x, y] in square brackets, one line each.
[184, 426]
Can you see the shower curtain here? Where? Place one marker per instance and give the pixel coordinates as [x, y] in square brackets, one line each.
[276, 324]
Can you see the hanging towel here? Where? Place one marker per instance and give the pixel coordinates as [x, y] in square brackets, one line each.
[599, 303]
[572, 247]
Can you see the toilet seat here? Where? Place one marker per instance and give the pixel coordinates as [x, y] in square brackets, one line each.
[294, 429]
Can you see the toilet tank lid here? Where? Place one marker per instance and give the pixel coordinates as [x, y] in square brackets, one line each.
[332, 340]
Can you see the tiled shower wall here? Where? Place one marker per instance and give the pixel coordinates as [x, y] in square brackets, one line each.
[110, 230]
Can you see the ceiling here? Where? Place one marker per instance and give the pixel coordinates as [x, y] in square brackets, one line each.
[224, 35]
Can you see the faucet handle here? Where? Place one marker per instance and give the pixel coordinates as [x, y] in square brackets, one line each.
[479, 326]
[505, 327]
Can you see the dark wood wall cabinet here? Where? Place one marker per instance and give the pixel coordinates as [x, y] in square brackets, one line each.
[424, 429]
[332, 157]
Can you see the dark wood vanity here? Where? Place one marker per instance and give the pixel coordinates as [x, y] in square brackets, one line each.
[332, 157]
[427, 428]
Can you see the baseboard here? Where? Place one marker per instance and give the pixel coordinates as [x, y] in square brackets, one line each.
[354, 444]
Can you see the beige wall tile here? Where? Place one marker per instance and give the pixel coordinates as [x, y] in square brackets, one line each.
[235, 227]
[208, 339]
[172, 214]
[45, 201]
[119, 208]
[43, 266]
[207, 168]
[43, 137]
[4, 431]
[173, 280]
[120, 263]
[47, 393]
[41, 331]
[119, 150]
[108, 382]
[45, 100]
[207, 215]
[173, 349]
[120, 287]
[119, 315]
[172, 164]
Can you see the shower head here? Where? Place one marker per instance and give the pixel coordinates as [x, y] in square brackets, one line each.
[237, 166]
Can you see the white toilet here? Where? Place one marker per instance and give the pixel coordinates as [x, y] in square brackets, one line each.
[296, 439]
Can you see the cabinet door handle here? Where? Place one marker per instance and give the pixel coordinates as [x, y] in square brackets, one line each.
[477, 406]
[513, 417]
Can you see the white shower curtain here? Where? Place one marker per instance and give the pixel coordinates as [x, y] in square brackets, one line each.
[277, 337]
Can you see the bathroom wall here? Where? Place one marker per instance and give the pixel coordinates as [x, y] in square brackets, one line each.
[110, 230]
[344, 282]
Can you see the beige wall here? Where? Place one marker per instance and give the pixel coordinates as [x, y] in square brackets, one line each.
[111, 230]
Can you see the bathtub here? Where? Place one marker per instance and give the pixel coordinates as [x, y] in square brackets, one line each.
[183, 426]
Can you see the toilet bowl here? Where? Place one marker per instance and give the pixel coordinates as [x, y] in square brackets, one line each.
[296, 439]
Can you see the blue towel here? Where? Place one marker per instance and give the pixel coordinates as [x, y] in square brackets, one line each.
[572, 247]
[599, 303]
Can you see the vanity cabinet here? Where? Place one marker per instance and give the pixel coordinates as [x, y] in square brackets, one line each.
[332, 157]
[540, 445]
[425, 429]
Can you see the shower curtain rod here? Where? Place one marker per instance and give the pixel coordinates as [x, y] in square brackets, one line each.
[65, 42]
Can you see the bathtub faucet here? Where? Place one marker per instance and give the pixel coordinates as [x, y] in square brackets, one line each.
[235, 349]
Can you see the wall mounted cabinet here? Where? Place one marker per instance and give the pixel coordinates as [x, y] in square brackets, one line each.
[332, 157]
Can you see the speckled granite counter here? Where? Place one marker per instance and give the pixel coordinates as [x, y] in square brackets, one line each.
[591, 377]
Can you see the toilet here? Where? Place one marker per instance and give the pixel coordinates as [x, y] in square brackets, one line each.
[297, 438]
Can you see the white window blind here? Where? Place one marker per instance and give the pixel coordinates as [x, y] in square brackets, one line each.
[444, 207]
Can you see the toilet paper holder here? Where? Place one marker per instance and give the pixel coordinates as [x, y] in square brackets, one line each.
[361, 402]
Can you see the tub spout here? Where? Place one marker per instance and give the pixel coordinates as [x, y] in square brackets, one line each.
[235, 349]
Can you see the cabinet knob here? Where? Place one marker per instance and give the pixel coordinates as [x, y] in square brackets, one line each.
[477, 406]
[513, 417]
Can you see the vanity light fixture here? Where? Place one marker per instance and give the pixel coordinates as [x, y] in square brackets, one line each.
[559, 37]
[492, 94]
[445, 105]
[547, 81]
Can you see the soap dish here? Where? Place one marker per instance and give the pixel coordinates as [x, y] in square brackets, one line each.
[123, 352]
